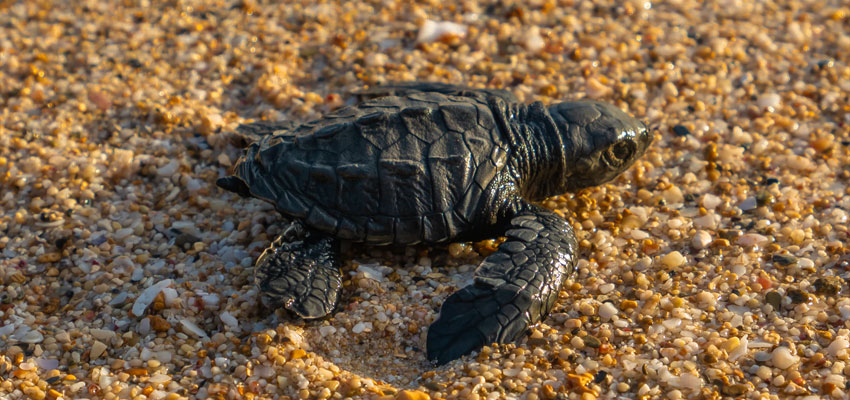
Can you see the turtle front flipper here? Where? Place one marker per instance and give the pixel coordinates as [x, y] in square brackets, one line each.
[300, 271]
[514, 287]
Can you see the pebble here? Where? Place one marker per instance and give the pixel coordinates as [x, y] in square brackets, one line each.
[837, 346]
[33, 337]
[327, 330]
[672, 260]
[769, 101]
[710, 201]
[432, 31]
[157, 379]
[371, 272]
[147, 296]
[681, 130]
[748, 204]
[228, 319]
[102, 334]
[596, 89]
[783, 359]
[533, 41]
[672, 324]
[774, 299]
[752, 240]
[168, 169]
[784, 260]
[190, 327]
[97, 350]
[739, 349]
[412, 395]
[47, 364]
[362, 327]
[606, 311]
[701, 240]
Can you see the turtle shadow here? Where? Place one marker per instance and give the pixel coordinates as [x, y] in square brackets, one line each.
[388, 300]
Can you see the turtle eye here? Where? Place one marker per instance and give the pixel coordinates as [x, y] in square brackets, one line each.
[618, 153]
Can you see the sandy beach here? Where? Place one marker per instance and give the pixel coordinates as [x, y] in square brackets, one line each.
[716, 267]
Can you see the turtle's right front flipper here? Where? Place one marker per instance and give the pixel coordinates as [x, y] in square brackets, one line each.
[514, 287]
[300, 272]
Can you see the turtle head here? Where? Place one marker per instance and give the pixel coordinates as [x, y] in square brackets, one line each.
[601, 141]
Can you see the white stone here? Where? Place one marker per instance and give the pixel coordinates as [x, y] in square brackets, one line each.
[769, 101]
[229, 320]
[710, 201]
[169, 295]
[638, 234]
[147, 296]
[102, 334]
[748, 204]
[689, 381]
[701, 240]
[840, 343]
[739, 351]
[97, 350]
[362, 327]
[168, 169]
[783, 359]
[190, 327]
[371, 272]
[764, 372]
[163, 356]
[673, 259]
[672, 324]
[805, 263]
[33, 337]
[432, 31]
[606, 311]
[263, 371]
[159, 378]
[6, 330]
[47, 363]
[707, 221]
[210, 301]
[533, 41]
[752, 240]
[327, 330]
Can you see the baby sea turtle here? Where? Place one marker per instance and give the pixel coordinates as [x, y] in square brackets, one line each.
[434, 163]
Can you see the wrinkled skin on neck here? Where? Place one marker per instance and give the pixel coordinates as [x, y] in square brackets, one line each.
[571, 145]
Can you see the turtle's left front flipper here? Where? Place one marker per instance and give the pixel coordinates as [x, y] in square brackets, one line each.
[300, 272]
[514, 287]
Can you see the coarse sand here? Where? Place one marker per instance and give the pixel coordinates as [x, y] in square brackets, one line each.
[713, 268]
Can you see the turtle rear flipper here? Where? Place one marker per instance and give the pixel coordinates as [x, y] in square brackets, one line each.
[514, 287]
[235, 185]
[407, 88]
[256, 130]
[300, 272]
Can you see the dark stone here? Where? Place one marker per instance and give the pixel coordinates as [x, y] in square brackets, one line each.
[734, 390]
[798, 296]
[681, 130]
[784, 259]
[774, 299]
[591, 341]
[600, 376]
[828, 286]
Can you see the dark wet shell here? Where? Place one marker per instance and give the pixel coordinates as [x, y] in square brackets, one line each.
[392, 170]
